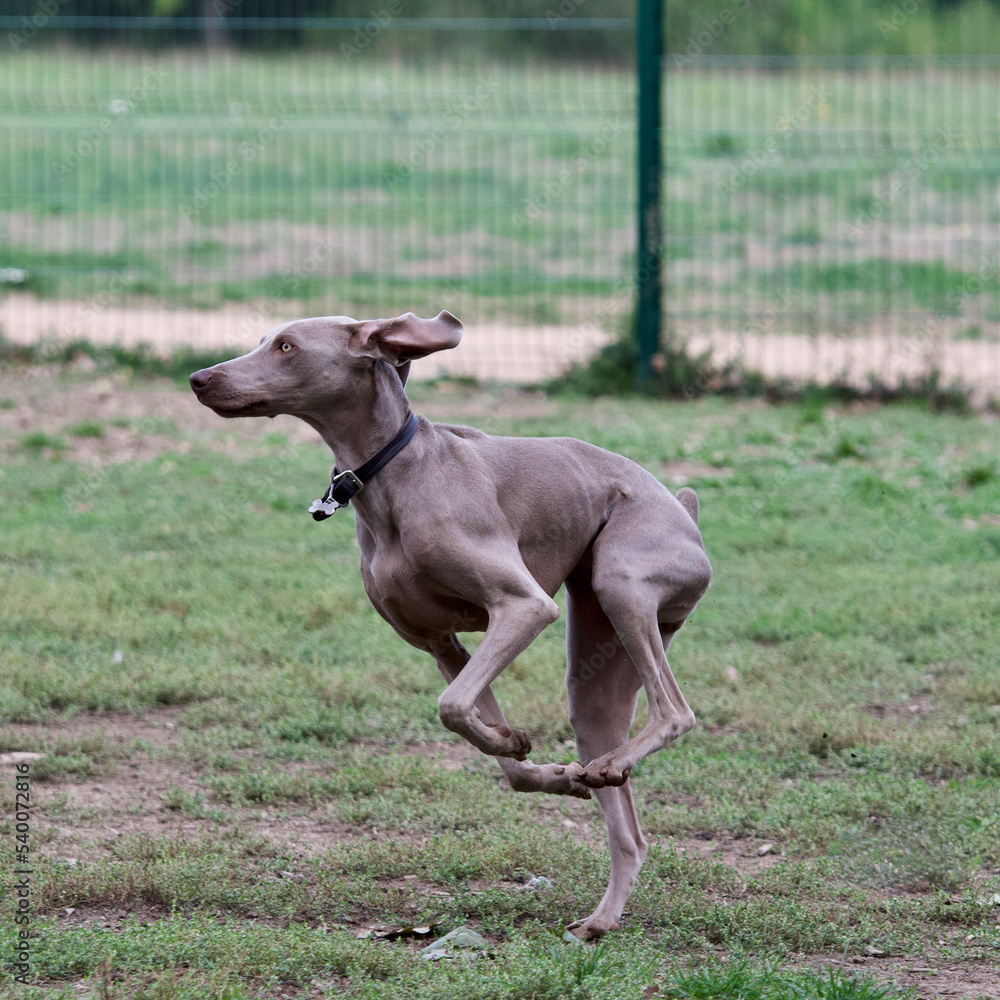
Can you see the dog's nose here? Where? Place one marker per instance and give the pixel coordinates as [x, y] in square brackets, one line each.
[200, 379]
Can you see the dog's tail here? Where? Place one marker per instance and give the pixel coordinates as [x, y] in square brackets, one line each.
[689, 501]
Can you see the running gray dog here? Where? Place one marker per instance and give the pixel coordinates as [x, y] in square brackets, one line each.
[461, 531]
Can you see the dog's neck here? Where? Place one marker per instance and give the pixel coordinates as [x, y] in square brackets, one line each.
[377, 413]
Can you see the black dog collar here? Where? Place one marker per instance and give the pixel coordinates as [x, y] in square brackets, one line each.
[345, 485]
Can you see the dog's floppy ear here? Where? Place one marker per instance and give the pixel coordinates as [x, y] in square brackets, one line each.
[404, 338]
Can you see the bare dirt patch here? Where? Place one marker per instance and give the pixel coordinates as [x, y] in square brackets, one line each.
[680, 473]
[112, 918]
[112, 419]
[951, 979]
[137, 791]
[929, 978]
[883, 354]
[749, 857]
[82, 820]
[911, 708]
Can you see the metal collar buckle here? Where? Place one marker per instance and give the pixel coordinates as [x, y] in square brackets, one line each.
[344, 486]
[347, 477]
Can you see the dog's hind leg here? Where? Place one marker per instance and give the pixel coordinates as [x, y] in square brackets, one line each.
[603, 684]
[522, 775]
[649, 572]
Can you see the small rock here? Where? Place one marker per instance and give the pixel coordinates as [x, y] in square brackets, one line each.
[460, 938]
[872, 952]
[19, 757]
[569, 824]
[766, 849]
[538, 882]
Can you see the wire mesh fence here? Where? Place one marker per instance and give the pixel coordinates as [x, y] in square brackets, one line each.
[837, 218]
[185, 197]
[826, 219]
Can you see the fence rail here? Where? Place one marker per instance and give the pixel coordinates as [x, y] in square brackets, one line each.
[125, 22]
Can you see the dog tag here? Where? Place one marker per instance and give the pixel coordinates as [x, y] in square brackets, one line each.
[322, 509]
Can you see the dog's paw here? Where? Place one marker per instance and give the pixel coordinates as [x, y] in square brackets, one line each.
[511, 743]
[572, 776]
[598, 774]
[592, 928]
[555, 779]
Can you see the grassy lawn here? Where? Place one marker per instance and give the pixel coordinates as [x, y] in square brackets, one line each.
[246, 791]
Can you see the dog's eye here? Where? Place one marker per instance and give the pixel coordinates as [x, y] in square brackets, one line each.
[286, 346]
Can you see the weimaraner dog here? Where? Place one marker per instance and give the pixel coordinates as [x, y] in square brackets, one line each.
[461, 531]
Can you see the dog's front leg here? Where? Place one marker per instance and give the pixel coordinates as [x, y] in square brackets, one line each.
[514, 624]
[522, 775]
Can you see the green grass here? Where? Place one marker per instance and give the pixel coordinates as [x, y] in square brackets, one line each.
[842, 666]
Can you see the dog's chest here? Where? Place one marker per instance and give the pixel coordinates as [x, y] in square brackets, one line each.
[411, 601]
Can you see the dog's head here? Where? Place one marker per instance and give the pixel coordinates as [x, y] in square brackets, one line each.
[313, 365]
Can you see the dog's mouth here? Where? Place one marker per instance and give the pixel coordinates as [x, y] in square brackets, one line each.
[257, 408]
[234, 407]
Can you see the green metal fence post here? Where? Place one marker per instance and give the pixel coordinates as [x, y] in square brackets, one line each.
[649, 46]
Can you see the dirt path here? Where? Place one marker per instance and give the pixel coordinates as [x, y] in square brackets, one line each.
[526, 354]
[489, 350]
[887, 355]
